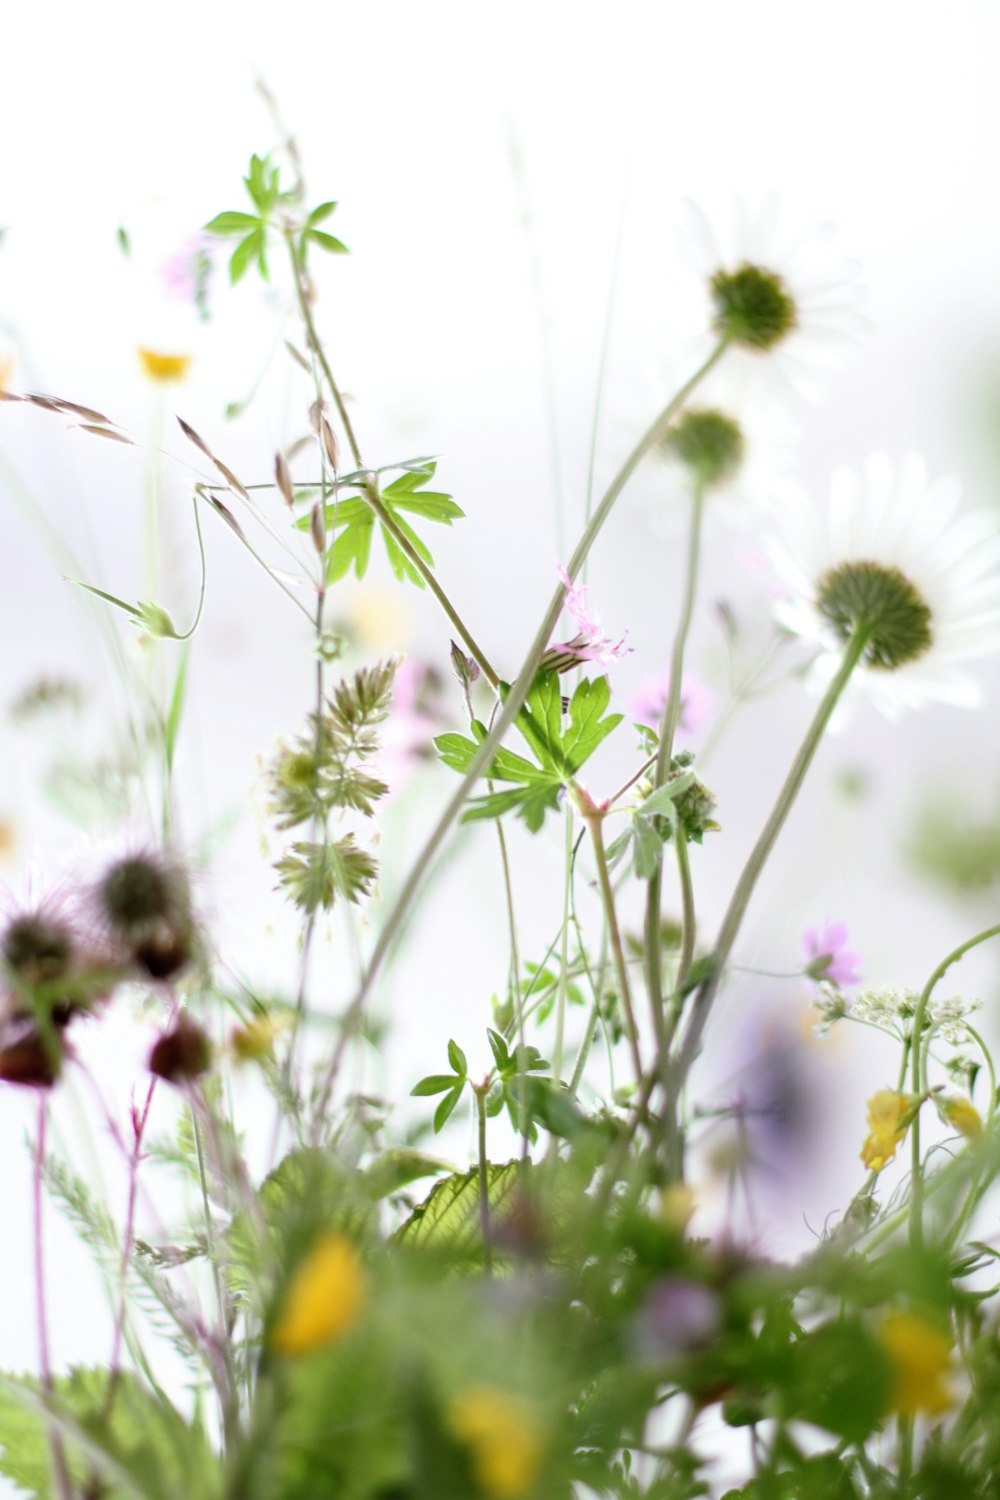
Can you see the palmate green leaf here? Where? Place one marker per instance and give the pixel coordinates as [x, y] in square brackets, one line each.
[138, 1448]
[559, 753]
[351, 522]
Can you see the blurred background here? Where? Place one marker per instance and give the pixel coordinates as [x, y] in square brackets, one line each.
[510, 184]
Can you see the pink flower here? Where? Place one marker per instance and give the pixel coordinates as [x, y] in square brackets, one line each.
[826, 956]
[589, 644]
[413, 721]
[650, 698]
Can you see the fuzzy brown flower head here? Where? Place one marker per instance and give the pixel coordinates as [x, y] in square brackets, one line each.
[753, 307]
[182, 1053]
[145, 903]
[37, 948]
[26, 1056]
[709, 443]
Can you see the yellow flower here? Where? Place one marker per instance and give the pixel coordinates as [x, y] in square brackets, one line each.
[327, 1294]
[6, 371]
[503, 1438]
[964, 1115]
[157, 366]
[886, 1110]
[677, 1204]
[920, 1356]
[253, 1042]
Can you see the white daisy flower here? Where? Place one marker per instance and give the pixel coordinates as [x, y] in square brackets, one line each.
[892, 558]
[789, 297]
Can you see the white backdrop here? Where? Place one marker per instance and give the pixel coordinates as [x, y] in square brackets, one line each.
[486, 160]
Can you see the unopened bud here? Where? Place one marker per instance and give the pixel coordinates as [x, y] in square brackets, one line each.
[466, 668]
[283, 479]
[329, 441]
[182, 1053]
[317, 527]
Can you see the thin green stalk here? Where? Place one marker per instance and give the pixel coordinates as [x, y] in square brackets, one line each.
[484, 1182]
[668, 729]
[318, 350]
[688, 923]
[511, 708]
[593, 821]
[919, 1042]
[374, 500]
[557, 1060]
[747, 882]
[369, 490]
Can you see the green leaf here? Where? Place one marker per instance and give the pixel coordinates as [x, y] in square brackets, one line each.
[327, 242]
[587, 727]
[457, 1059]
[395, 1169]
[129, 609]
[320, 212]
[231, 223]
[498, 1046]
[434, 1083]
[173, 722]
[449, 1218]
[134, 1447]
[239, 261]
[447, 1106]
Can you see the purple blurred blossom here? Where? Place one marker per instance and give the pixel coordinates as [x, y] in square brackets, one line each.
[650, 698]
[826, 956]
[590, 644]
[413, 721]
[679, 1315]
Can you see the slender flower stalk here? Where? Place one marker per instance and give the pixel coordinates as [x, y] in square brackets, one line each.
[668, 729]
[593, 817]
[41, 1308]
[511, 708]
[747, 882]
[917, 1050]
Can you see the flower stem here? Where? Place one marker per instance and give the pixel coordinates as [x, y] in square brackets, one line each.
[668, 729]
[593, 821]
[747, 882]
[62, 1483]
[511, 708]
[484, 1181]
[917, 1178]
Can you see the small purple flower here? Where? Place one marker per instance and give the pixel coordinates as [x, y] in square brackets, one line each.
[589, 644]
[826, 956]
[650, 698]
[679, 1315]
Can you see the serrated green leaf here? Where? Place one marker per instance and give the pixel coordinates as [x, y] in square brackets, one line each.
[395, 1169]
[587, 727]
[446, 1108]
[449, 1219]
[135, 1447]
[457, 1058]
[231, 223]
[434, 1083]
